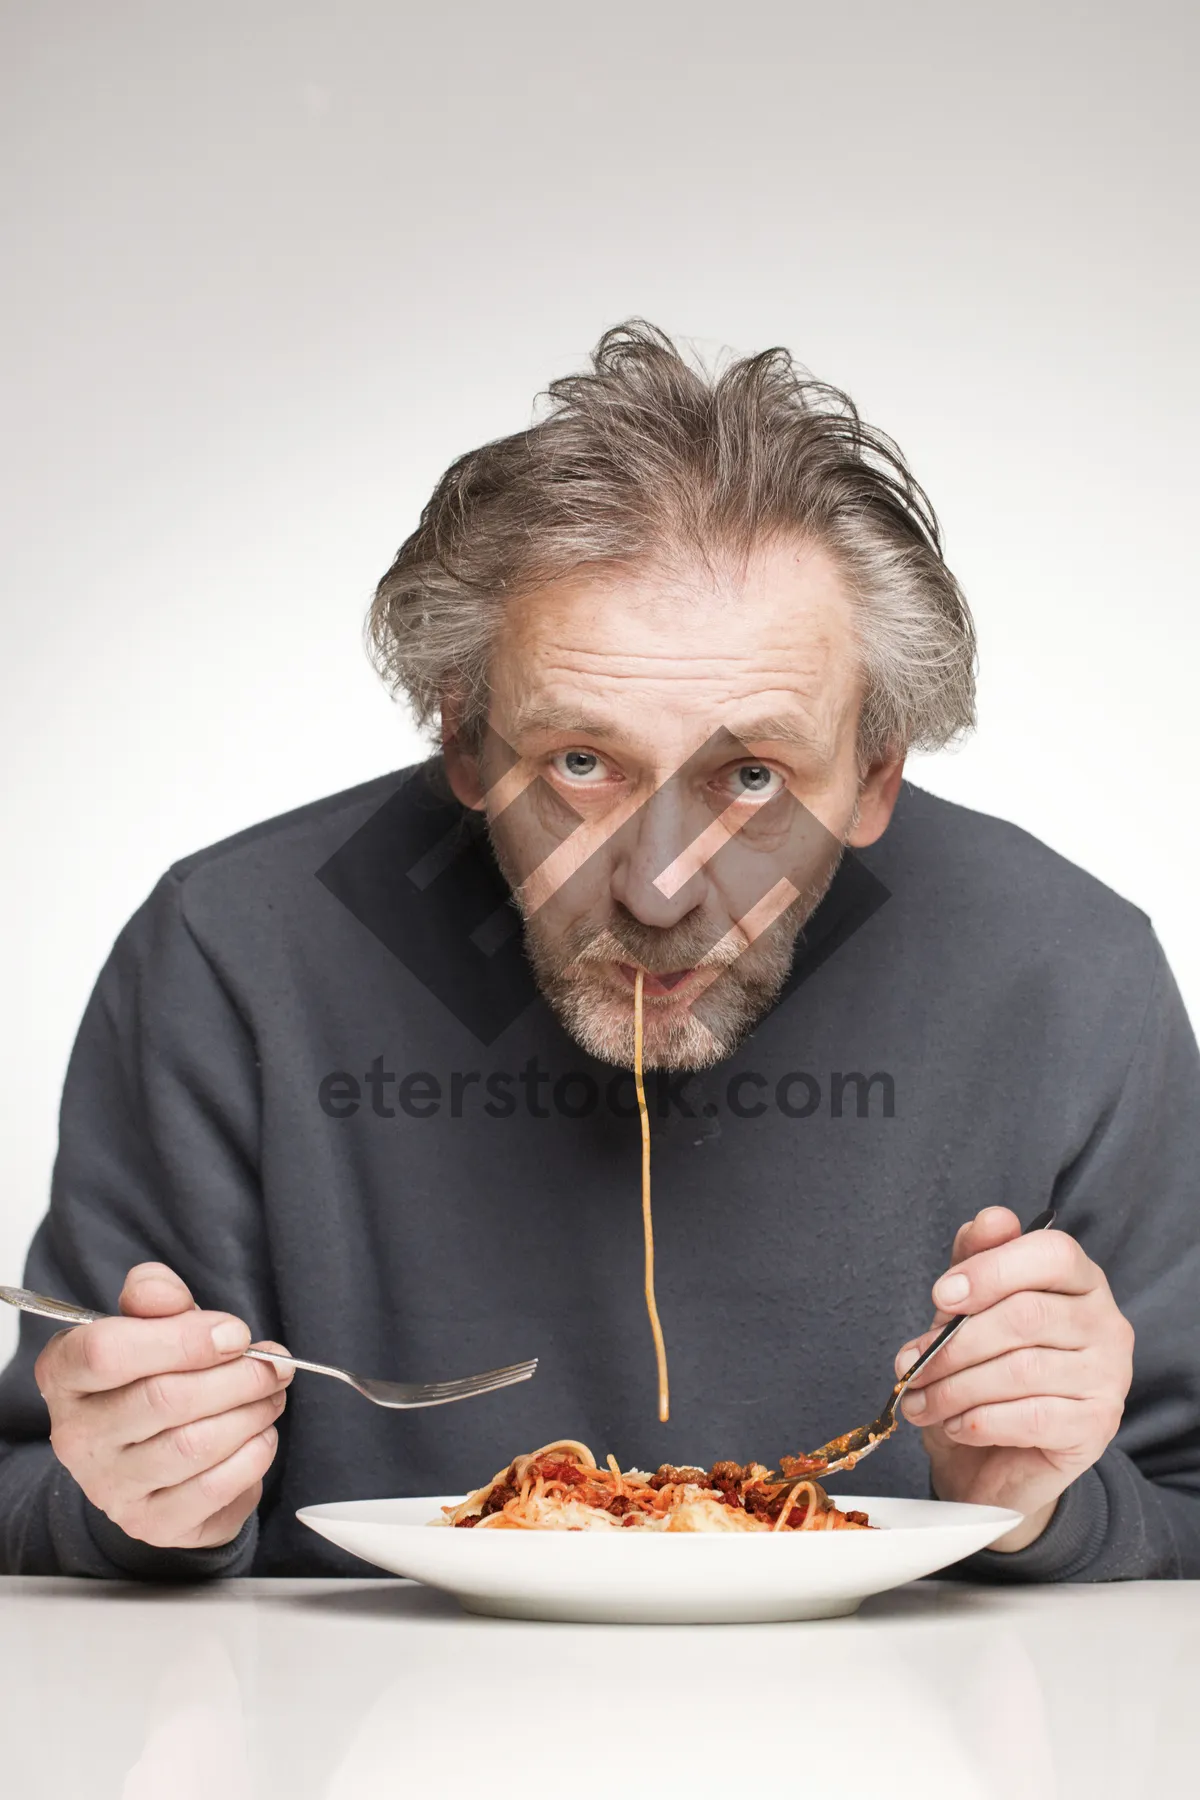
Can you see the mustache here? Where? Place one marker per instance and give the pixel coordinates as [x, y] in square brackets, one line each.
[660, 950]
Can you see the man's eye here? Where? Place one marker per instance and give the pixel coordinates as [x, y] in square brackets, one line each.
[580, 766]
[754, 781]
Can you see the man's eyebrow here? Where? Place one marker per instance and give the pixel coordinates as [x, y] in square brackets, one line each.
[575, 721]
[780, 728]
[546, 716]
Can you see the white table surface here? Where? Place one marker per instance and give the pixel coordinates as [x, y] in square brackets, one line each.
[349, 1690]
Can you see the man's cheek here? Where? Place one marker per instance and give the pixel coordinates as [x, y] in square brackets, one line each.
[568, 905]
[534, 827]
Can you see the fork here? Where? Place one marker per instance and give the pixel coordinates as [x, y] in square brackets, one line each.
[843, 1452]
[382, 1393]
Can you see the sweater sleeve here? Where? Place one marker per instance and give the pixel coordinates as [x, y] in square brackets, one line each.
[157, 1161]
[1131, 1199]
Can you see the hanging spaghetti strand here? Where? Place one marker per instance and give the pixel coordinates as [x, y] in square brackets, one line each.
[660, 1349]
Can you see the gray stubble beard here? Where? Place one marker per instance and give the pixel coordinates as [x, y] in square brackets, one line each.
[690, 1035]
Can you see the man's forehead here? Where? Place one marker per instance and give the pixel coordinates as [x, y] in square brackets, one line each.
[770, 658]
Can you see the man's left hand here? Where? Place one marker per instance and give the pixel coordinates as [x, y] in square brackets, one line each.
[1030, 1394]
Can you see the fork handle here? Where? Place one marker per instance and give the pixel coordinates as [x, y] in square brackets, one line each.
[63, 1310]
[1041, 1223]
[298, 1362]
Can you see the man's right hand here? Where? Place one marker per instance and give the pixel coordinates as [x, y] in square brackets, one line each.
[162, 1421]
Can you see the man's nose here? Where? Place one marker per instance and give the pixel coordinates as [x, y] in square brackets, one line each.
[648, 847]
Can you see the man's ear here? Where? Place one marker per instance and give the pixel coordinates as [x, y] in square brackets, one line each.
[461, 759]
[876, 799]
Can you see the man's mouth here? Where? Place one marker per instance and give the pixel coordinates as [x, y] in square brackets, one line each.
[657, 981]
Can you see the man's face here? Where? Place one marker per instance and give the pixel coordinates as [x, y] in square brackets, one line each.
[669, 779]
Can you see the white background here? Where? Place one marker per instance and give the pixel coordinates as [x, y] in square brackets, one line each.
[273, 264]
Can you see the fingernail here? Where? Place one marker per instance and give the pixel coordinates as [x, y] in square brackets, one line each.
[285, 1371]
[950, 1289]
[270, 1437]
[952, 1424]
[913, 1402]
[905, 1359]
[230, 1334]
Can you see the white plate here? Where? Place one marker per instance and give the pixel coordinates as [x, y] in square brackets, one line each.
[686, 1578]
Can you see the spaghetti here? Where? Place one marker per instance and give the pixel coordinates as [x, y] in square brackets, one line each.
[561, 1488]
[660, 1348]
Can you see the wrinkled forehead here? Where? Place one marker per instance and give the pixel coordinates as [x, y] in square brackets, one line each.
[664, 659]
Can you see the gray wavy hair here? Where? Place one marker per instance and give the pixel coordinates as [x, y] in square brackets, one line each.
[647, 456]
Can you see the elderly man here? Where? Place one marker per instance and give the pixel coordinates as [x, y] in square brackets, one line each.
[358, 1080]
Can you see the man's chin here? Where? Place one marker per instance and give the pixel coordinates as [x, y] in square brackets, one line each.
[673, 1036]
